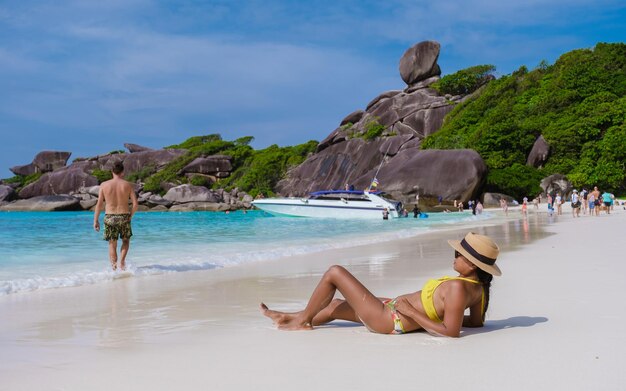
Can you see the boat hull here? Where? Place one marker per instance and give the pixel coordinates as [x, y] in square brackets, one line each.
[324, 209]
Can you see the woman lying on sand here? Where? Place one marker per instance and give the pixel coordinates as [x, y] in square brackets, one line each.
[438, 308]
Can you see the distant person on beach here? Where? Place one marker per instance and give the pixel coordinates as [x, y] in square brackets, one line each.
[416, 211]
[438, 308]
[385, 214]
[460, 206]
[115, 194]
[575, 204]
[505, 206]
[479, 207]
[596, 200]
[591, 201]
[608, 201]
[559, 204]
[525, 207]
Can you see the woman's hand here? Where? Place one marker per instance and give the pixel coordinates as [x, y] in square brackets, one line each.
[403, 306]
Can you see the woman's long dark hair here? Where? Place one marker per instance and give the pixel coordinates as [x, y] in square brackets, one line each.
[485, 278]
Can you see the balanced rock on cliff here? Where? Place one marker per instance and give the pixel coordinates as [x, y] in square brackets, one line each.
[391, 128]
[420, 62]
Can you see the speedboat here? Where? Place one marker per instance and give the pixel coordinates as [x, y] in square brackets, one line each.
[340, 204]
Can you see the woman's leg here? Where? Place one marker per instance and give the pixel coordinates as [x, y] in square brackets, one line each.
[360, 304]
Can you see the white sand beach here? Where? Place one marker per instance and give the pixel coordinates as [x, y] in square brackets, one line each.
[554, 322]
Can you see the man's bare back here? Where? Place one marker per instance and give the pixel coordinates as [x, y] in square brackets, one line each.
[115, 193]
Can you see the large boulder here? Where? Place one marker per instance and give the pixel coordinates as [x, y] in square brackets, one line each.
[189, 193]
[419, 62]
[155, 200]
[45, 204]
[450, 174]
[6, 193]
[62, 181]
[493, 199]
[47, 161]
[216, 165]
[25, 170]
[556, 183]
[352, 118]
[538, 155]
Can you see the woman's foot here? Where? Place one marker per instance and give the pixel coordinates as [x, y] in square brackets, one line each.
[285, 321]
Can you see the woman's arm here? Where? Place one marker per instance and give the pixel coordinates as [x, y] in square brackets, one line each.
[454, 309]
[475, 317]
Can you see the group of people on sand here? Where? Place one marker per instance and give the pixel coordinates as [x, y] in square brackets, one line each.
[590, 202]
[593, 202]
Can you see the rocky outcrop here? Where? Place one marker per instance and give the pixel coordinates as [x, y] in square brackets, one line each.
[44, 204]
[420, 62]
[416, 114]
[391, 128]
[538, 155]
[77, 182]
[133, 162]
[45, 161]
[132, 148]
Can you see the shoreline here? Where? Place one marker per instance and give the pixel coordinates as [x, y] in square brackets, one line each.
[204, 328]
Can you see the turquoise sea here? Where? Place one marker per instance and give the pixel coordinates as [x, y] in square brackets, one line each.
[43, 250]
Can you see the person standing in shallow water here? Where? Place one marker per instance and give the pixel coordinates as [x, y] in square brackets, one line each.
[115, 194]
[438, 308]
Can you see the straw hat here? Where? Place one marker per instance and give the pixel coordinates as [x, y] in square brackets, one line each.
[480, 250]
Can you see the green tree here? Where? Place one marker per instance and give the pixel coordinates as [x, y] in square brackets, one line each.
[465, 81]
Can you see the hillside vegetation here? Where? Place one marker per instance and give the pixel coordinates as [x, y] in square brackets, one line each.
[253, 171]
[578, 104]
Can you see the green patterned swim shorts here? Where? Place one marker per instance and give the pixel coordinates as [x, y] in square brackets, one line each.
[117, 226]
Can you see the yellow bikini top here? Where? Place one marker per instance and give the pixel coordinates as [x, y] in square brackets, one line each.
[428, 295]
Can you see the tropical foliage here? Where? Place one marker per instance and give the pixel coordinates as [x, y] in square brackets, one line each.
[253, 171]
[465, 81]
[578, 104]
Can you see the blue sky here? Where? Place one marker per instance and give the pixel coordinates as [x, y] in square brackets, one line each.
[88, 76]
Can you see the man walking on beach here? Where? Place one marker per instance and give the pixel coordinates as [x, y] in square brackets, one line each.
[115, 194]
